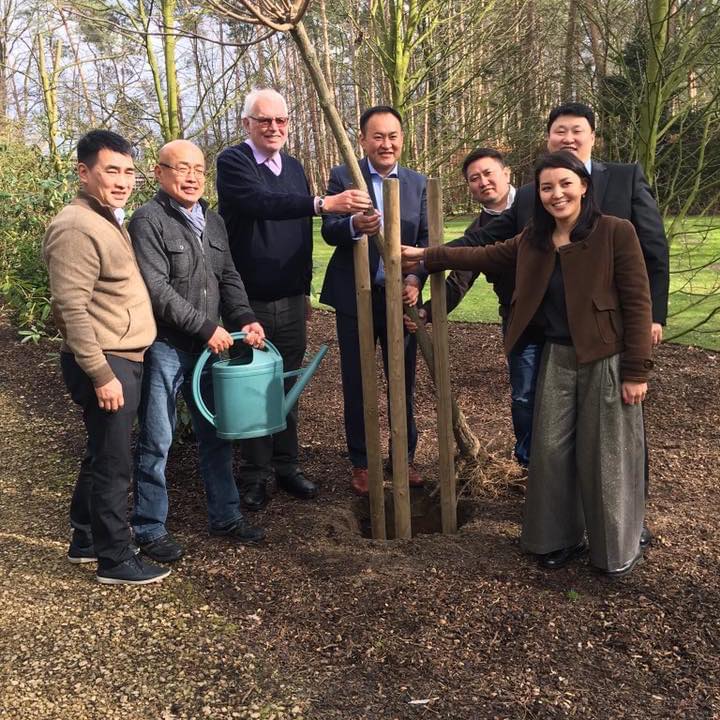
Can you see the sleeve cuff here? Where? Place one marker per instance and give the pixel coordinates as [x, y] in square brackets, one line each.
[206, 330]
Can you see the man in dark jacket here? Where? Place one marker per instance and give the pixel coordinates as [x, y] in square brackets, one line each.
[183, 254]
[619, 189]
[267, 206]
[488, 179]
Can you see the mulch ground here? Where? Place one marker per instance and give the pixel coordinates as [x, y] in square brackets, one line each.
[321, 623]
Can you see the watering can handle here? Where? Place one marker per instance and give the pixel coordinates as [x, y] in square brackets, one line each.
[197, 373]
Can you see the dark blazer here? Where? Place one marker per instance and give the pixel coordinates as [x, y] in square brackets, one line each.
[338, 289]
[620, 189]
[606, 290]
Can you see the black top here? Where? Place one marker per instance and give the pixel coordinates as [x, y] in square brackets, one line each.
[269, 223]
[553, 309]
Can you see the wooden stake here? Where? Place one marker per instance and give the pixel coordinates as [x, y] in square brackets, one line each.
[396, 357]
[368, 370]
[446, 462]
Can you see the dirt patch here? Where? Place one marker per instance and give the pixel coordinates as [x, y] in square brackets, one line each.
[323, 624]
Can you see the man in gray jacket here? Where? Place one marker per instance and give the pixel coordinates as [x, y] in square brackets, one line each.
[182, 250]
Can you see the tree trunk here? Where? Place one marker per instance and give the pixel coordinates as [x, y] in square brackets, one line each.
[653, 97]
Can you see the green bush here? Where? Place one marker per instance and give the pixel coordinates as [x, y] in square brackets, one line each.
[31, 193]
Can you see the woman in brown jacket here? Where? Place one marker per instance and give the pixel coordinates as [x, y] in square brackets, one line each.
[580, 275]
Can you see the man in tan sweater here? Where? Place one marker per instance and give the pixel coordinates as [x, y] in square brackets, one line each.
[102, 309]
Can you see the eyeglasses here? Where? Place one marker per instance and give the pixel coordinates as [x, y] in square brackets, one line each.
[185, 170]
[266, 122]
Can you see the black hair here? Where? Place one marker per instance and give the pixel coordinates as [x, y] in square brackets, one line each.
[479, 153]
[540, 228]
[378, 110]
[575, 109]
[94, 141]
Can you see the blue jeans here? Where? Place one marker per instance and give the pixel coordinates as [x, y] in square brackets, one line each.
[168, 371]
[523, 364]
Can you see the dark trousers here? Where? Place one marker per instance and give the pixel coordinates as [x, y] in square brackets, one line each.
[349, 344]
[285, 327]
[98, 512]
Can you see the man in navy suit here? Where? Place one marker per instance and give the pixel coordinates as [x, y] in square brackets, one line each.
[620, 189]
[381, 137]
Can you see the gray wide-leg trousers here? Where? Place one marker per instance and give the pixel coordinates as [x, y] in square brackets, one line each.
[587, 461]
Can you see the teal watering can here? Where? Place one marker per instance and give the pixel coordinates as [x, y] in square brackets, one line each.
[250, 398]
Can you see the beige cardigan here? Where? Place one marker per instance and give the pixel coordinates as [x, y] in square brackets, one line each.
[99, 300]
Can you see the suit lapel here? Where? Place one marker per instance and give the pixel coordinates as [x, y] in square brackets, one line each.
[599, 176]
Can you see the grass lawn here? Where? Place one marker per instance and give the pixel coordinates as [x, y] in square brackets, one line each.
[694, 281]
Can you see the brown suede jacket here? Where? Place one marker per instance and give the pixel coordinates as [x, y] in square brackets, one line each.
[99, 300]
[606, 290]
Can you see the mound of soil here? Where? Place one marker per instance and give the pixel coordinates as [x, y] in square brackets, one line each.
[323, 623]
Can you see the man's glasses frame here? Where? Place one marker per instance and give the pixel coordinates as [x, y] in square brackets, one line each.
[266, 122]
[185, 170]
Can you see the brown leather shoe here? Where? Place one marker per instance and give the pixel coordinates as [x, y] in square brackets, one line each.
[414, 477]
[359, 482]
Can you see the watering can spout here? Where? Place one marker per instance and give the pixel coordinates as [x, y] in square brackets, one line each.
[303, 377]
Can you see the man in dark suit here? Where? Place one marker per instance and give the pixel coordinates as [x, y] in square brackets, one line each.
[620, 189]
[381, 137]
[267, 206]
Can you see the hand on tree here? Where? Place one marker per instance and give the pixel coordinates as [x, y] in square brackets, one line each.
[411, 257]
[412, 327]
[411, 291]
[110, 396]
[350, 201]
[366, 224]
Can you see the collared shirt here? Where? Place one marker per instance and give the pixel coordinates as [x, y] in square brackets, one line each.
[273, 162]
[588, 166]
[510, 201]
[119, 214]
[377, 183]
[195, 217]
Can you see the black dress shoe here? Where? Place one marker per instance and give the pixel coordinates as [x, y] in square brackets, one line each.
[646, 537]
[625, 570]
[240, 530]
[298, 485]
[165, 549]
[254, 495]
[560, 558]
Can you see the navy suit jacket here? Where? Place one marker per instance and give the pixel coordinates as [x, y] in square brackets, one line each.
[619, 189]
[338, 289]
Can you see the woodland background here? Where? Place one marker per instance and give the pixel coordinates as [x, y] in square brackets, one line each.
[462, 73]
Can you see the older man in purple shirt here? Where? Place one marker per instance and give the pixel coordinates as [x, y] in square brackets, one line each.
[268, 208]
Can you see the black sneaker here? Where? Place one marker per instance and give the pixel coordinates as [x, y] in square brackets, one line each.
[240, 530]
[133, 571]
[164, 549]
[78, 554]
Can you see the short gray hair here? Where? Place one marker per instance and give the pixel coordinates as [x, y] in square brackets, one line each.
[255, 94]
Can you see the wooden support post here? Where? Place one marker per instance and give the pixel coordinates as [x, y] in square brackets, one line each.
[368, 369]
[396, 357]
[446, 462]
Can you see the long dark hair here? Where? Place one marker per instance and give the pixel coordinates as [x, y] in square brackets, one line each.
[540, 228]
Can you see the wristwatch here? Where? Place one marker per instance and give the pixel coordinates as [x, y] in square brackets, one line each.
[321, 205]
